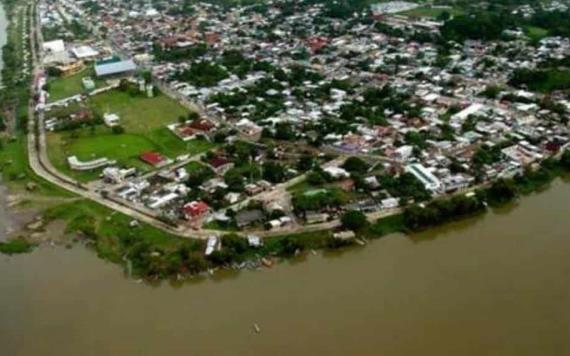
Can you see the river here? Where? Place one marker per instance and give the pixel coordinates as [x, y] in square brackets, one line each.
[492, 285]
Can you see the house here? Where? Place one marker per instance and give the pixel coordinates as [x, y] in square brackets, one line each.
[247, 217]
[253, 189]
[390, 203]
[88, 83]
[203, 126]
[212, 245]
[254, 241]
[54, 46]
[220, 164]
[344, 235]
[315, 218]
[153, 158]
[84, 52]
[117, 175]
[337, 172]
[111, 119]
[249, 129]
[195, 209]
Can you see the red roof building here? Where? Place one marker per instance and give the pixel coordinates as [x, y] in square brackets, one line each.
[316, 43]
[217, 161]
[195, 209]
[211, 38]
[202, 125]
[152, 158]
[220, 164]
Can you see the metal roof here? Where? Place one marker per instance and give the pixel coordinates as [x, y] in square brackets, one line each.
[115, 68]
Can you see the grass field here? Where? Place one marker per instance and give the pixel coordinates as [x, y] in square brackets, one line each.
[64, 87]
[536, 33]
[430, 12]
[144, 120]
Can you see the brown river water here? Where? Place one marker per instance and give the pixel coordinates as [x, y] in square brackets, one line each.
[492, 285]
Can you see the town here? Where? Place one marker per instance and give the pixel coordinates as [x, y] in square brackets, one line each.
[283, 116]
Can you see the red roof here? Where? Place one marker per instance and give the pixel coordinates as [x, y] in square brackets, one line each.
[195, 208]
[211, 37]
[186, 131]
[317, 43]
[202, 125]
[152, 158]
[217, 161]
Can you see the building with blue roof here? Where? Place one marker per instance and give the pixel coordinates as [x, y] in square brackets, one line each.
[117, 68]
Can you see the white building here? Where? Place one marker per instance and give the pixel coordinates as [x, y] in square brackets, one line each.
[430, 182]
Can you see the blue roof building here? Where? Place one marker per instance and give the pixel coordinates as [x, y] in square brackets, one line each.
[115, 68]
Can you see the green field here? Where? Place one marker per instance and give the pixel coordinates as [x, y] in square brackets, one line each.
[64, 87]
[144, 120]
[430, 12]
[536, 33]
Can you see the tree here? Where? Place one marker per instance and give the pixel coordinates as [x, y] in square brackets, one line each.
[193, 115]
[354, 220]
[117, 130]
[273, 172]
[501, 191]
[305, 163]
[355, 165]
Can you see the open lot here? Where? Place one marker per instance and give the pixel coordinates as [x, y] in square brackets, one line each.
[144, 121]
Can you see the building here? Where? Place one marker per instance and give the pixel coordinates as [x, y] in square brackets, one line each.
[247, 217]
[118, 68]
[111, 119]
[54, 46]
[153, 158]
[88, 83]
[84, 52]
[220, 164]
[77, 165]
[429, 181]
[195, 209]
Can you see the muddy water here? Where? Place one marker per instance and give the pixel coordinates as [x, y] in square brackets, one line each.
[494, 285]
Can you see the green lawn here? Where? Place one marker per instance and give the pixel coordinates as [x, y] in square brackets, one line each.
[138, 113]
[144, 120]
[193, 166]
[64, 87]
[536, 33]
[430, 12]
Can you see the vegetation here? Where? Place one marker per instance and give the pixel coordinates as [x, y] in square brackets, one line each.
[15, 246]
[203, 74]
[543, 80]
[354, 220]
[441, 211]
